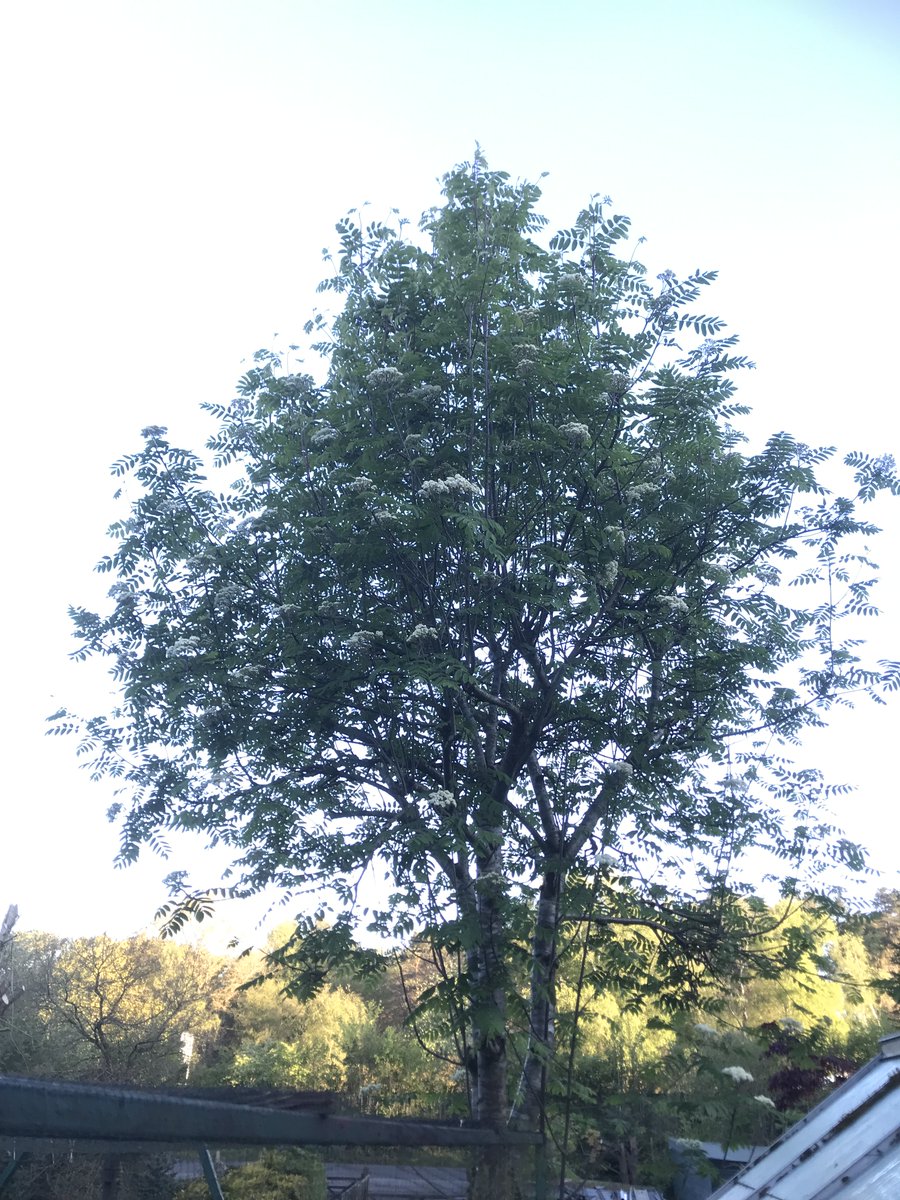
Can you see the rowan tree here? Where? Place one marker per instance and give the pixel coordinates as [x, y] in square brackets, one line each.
[499, 606]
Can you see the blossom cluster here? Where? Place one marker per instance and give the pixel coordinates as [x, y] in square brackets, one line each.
[422, 633]
[608, 573]
[360, 639]
[576, 432]
[791, 1025]
[246, 674]
[453, 485]
[441, 799]
[716, 574]
[384, 377]
[183, 647]
[287, 610]
[738, 1074]
[615, 536]
[362, 483]
[425, 391]
[227, 596]
[674, 604]
[637, 491]
[323, 436]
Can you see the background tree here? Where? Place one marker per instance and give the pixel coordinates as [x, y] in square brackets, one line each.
[101, 1009]
[502, 595]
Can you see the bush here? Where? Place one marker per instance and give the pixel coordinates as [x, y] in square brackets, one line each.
[277, 1175]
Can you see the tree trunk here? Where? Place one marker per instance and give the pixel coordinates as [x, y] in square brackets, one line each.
[542, 1005]
[494, 1174]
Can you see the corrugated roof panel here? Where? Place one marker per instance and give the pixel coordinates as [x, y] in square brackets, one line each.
[880, 1182]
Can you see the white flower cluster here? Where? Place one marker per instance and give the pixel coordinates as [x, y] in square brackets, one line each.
[323, 436]
[384, 377]
[607, 860]
[425, 391]
[422, 633]
[287, 610]
[789, 1025]
[608, 574]
[246, 674]
[362, 483]
[453, 485]
[673, 604]
[227, 596]
[638, 490]
[716, 574]
[442, 800]
[361, 639]
[621, 768]
[738, 1074]
[576, 432]
[121, 591]
[705, 1030]
[185, 647]
[384, 516]
[765, 1101]
[615, 536]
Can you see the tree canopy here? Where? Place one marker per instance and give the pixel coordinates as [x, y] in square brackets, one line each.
[500, 607]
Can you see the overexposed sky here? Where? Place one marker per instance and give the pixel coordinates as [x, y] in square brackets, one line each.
[173, 169]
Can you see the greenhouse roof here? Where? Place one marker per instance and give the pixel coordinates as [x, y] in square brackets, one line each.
[848, 1147]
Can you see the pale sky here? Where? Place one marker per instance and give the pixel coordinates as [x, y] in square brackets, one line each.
[172, 170]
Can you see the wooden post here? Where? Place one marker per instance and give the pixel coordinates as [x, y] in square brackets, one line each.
[10, 1169]
[540, 1171]
[209, 1171]
[7, 992]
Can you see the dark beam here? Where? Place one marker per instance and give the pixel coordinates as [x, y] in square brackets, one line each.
[37, 1108]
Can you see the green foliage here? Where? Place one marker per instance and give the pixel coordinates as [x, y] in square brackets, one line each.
[96, 1008]
[304, 1045]
[276, 1175]
[502, 593]
[80, 1177]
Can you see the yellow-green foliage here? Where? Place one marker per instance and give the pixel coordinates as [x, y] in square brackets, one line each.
[299, 1044]
[608, 1030]
[828, 984]
[277, 1175]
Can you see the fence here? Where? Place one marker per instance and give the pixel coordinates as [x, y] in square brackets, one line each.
[51, 1117]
